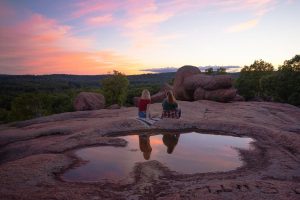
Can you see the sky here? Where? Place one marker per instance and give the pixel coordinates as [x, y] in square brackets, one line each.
[142, 36]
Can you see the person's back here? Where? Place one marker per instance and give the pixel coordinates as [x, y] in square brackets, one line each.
[170, 107]
[167, 106]
[143, 104]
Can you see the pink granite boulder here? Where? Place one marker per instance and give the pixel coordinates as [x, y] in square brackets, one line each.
[89, 101]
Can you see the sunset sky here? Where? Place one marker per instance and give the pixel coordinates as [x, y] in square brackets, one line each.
[98, 36]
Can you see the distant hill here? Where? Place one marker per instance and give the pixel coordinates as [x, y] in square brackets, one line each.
[61, 82]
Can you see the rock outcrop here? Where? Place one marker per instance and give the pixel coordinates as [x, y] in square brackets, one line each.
[34, 154]
[89, 101]
[190, 85]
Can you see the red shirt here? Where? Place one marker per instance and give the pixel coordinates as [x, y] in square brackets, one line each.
[143, 104]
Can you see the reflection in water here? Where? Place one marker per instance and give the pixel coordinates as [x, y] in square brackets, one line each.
[195, 153]
[170, 140]
[145, 147]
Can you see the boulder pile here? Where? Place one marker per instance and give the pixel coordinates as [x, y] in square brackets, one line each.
[191, 85]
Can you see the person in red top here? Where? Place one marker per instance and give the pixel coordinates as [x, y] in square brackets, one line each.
[143, 104]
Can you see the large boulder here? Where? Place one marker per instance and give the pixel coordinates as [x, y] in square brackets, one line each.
[166, 87]
[178, 88]
[207, 82]
[199, 94]
[158, 97]
[161, 95]
[191, 85]
[136, 101]
[89, 101]
[221, 95]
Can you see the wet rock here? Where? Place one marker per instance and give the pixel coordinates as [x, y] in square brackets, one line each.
[89, 101]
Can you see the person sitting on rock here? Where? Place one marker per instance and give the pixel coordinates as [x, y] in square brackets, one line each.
[170, 106]
[143, 104]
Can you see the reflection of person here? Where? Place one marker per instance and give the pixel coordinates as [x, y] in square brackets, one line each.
[143, 104]
[170, 140]
[145, 146]
[170, 107]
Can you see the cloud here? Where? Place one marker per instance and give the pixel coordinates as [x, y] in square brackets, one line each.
[258, 8]
[137, 20]
[160, 70]
[174, 69]
[39, 45]
[203, 68]
[255, 6]
[100, 20]
[243, 26]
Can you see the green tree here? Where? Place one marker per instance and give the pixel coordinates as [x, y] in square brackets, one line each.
[292, 65]
[27, 106]
[115, 88]
[3, 115]
[209, 71]
[221, 70]
[284, 84]
[248, 84]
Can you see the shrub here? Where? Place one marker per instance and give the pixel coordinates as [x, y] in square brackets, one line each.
[115, 88]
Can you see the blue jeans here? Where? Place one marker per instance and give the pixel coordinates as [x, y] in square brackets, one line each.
[142, 114]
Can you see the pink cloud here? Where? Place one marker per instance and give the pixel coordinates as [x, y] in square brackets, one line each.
[243, 26]
[84, 8]
[39, 45]
[257, 7]
[138, 21]
[100, 20]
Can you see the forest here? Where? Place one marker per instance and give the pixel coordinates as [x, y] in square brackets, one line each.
[28, 96]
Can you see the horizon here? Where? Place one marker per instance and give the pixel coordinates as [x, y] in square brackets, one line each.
[75, 37]
[145, 72]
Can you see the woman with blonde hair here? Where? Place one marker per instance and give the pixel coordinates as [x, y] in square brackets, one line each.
[170, 106]
[143, 104]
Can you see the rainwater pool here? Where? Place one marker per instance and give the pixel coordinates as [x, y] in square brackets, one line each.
[186, 153]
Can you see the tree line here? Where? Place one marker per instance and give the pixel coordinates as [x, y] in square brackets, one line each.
[30, 98]
[261, 81]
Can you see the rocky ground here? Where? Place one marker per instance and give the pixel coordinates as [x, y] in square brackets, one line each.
[35, 153]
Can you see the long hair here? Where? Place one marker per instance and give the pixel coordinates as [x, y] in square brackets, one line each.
[171, 98]
[145, 94]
